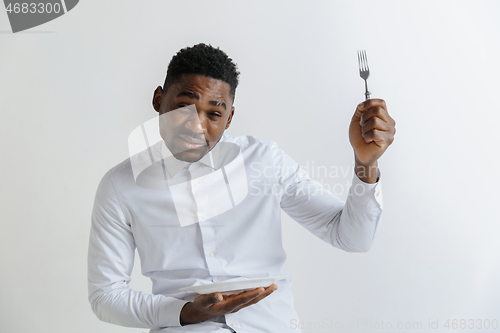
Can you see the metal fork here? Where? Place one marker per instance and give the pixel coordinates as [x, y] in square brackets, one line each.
[364, 71]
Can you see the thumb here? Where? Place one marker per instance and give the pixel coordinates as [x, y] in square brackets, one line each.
[207, 300]
[360, 109]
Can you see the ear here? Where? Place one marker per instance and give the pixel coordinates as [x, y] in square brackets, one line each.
[157, 98]
[230, 118]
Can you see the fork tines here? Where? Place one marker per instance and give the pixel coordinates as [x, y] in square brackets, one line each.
[364, 70]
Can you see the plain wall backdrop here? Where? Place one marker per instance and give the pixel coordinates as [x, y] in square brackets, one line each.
[73, 89]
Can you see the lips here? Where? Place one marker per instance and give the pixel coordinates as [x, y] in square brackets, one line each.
[190, 142]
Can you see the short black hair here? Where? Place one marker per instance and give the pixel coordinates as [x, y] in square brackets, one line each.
[203, 60]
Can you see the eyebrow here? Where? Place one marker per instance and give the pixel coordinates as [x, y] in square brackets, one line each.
[197, 97]
[217, 103]
[188, 94]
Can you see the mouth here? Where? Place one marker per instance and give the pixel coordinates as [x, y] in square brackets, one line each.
[190, 142]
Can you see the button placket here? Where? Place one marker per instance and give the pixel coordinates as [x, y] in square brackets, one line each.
[207, 214]
[232, 319]
[209, 247]
[208, 232]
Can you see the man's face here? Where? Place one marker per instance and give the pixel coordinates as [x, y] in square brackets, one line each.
[196, 110]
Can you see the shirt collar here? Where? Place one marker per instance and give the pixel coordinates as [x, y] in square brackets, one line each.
[174, 166]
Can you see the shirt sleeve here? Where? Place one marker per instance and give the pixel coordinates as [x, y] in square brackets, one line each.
[110, 261]
[351, 225]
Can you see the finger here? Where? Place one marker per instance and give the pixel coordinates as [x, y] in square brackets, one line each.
[209, 299]
[377, 112]
[380, 138]
[371, 103]
[242, 298]
[268, 291]
[356, 117]
[376, 123]
[367, 105]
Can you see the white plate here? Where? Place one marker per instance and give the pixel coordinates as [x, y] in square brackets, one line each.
[233, 287]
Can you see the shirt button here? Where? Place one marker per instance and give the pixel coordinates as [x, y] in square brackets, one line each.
[211, 254]
[195, 184]
[234, 324]
[219, 278]
[203, 217]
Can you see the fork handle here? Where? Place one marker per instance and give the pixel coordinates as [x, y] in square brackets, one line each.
[367, 93]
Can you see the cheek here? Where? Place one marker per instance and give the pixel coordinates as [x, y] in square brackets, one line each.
[177, 122]
[214, 131]
[175, 119]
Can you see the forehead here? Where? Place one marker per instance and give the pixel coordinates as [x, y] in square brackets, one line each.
[201, 85]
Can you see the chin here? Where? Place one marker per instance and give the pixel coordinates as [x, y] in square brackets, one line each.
[190, 157]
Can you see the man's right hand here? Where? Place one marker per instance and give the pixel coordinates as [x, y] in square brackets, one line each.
[209, 306]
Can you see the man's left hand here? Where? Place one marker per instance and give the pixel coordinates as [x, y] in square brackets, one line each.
[371, 131]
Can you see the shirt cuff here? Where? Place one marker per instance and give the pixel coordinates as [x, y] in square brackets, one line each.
[170, 312]
[366, 194]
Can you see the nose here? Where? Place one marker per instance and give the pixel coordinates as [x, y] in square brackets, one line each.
[195, 125]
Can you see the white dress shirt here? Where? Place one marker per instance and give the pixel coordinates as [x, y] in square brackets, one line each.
[243, 241]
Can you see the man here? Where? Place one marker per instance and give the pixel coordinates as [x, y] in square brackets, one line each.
[194, 240]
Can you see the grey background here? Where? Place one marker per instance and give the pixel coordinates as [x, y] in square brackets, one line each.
[73, 89]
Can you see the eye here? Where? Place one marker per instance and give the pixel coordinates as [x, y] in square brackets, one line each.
[216, 114]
